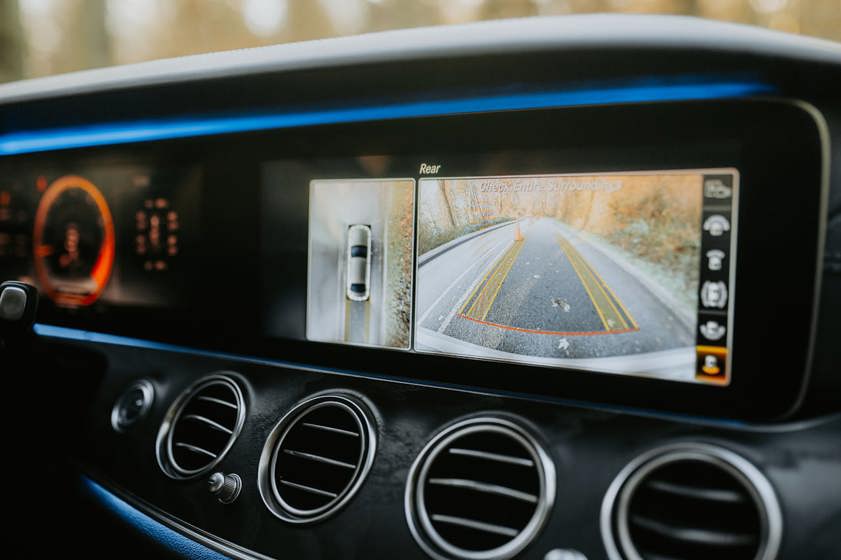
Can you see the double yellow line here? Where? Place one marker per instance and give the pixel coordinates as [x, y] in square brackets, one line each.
[612, 312]
[491, 284]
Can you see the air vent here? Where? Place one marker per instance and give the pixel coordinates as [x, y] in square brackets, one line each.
[316, 458]
[200, 427]
[688, 502]
[481, 489]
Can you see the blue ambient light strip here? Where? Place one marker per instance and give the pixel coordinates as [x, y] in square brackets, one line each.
[151, 528]
[24, 142]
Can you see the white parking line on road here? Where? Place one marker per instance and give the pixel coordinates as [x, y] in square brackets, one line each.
[451, 286]
[479, 278]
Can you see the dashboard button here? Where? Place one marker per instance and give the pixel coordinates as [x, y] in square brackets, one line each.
[12, 303]
[225, 487]
[132, 405]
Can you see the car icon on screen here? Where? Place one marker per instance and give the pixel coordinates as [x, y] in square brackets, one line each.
[358, 263]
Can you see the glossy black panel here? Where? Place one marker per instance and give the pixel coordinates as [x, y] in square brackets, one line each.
[588, 448]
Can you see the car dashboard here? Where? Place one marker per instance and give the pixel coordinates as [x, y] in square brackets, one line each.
[560, 288]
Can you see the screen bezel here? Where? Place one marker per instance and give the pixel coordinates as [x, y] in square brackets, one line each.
[773, 144]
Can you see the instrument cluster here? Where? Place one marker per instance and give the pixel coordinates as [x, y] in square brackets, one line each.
[110, 234]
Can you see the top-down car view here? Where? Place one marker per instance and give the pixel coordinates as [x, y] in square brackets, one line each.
[421, 279]
[359, 262]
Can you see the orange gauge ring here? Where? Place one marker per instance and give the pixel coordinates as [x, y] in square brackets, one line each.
[101, 271]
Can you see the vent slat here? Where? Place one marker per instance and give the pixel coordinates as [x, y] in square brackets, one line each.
[214, 400]
[477, 525]
[476, 486]
[330, 429]
[694, 535]
[318, 458]
[309, 489]
[711, 494]
[195, 449]
[491, 456]
[208, 422]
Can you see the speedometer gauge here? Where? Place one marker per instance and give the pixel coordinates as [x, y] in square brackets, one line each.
[73, 242]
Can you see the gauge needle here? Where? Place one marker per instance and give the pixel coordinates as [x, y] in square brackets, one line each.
[44, 250]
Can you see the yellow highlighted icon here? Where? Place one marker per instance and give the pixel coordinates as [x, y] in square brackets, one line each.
[711, 363]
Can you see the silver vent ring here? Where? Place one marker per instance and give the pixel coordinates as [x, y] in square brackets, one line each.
[418, 518]
[163, 444]
[614, 512]
[267, 485]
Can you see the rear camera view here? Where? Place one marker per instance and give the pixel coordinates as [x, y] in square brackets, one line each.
[360, 262]
[596, 272]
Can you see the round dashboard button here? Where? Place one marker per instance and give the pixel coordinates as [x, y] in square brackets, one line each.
[132, 405]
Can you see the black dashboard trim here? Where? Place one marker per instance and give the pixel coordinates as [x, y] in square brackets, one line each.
[89, 338]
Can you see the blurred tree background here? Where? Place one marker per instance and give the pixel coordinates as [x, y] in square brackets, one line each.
[43, 37]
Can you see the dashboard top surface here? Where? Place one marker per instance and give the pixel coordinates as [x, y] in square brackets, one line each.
[509, 37]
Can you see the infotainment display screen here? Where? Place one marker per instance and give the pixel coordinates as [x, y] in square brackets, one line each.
[614, 272]
[624, 273]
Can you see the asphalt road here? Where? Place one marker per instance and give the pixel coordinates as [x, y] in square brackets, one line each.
[542, 291]
[357, 327]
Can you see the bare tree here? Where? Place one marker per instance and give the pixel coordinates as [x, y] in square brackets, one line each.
[85, 42]
[11, 42]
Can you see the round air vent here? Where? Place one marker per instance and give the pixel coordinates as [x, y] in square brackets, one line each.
[316, 458]
[480, 490]
[200, 427]
[691, 501]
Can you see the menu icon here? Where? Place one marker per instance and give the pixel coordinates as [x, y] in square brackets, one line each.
[717, 225]
[714, 295]
[712, 330]
[717, 188]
